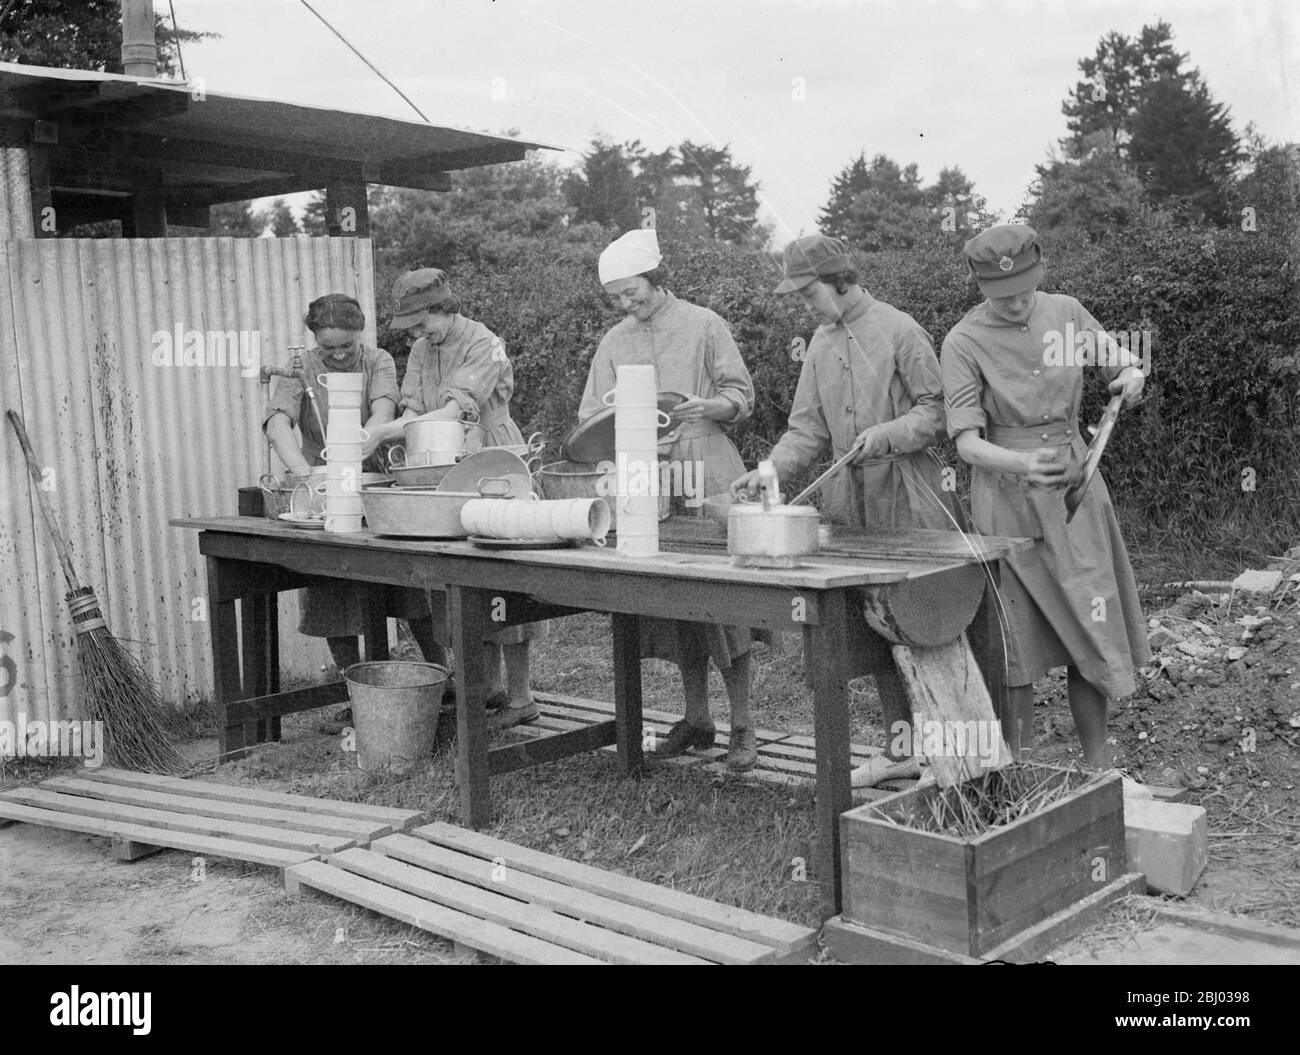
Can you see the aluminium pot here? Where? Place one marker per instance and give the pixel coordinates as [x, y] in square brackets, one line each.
[561, 480]
[417, 513]
[778, 533]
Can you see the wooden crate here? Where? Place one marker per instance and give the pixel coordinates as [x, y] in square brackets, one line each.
[969, 896]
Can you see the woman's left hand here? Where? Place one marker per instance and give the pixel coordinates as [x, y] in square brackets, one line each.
[696, 408]
[1131, 382]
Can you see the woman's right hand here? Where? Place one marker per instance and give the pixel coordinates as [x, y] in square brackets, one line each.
[1050, 467]
[748, 482]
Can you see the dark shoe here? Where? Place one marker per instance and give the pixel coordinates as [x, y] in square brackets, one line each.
[744, 750]
[684, 735]
[508, 716]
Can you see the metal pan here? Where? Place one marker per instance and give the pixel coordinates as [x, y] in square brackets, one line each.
[592, 440]
[1075, 494]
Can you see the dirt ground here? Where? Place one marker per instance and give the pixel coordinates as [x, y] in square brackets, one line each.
[1217, 712]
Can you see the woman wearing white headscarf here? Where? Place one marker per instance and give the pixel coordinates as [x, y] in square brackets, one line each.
[693, 353]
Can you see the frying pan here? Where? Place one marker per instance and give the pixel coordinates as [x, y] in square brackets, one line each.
[1075, 494]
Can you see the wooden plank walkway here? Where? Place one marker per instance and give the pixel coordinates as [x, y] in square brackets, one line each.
[526, 906]
[143, 813]
[783, 758]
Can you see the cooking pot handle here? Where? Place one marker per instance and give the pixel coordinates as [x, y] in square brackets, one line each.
[268, 483]
[469, 417]
[536, 443]
[493, 487]
[533, 465]
[392, 453]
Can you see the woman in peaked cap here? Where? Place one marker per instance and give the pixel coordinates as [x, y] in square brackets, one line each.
[693, 353]
[1013, 408]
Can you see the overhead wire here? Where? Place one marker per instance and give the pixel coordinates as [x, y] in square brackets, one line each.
[374, 69]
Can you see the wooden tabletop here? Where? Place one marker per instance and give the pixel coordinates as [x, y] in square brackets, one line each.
[690, 552]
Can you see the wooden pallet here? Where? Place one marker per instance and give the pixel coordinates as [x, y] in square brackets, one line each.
[530, 907]
[783, 758]
[143, 814]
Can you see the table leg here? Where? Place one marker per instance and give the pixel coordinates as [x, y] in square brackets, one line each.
[257, 629]
[627, 692]
[226, 686]
[827, 651]
[376, 626]
[467, 610]
[987, 643]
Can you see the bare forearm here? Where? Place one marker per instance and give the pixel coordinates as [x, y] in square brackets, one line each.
[977, 451]
[279, 430]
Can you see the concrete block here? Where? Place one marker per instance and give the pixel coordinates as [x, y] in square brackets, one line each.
[1166, 842]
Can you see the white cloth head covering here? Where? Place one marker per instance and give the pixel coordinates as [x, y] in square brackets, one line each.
[630, 254]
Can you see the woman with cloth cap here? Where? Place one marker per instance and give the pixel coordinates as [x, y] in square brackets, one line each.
[693, 353]
[1072, 600]
[871, 378]
[458, 367]
[336, 611]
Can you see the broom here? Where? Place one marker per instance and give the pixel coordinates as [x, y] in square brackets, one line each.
[118, 690]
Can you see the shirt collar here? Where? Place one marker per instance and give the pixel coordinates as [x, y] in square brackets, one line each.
[857, 311]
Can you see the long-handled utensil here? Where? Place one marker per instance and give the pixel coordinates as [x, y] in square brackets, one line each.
[1075, 494]
[853, 452]
[118, 691]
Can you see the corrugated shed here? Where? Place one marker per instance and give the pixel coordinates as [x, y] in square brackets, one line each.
[132, 432]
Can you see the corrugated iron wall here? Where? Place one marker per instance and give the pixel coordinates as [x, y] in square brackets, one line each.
[128, 439]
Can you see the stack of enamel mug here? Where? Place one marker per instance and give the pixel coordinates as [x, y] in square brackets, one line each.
[344, 439]
[636, 456]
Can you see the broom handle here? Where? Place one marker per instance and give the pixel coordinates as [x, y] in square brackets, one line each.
[60, 543]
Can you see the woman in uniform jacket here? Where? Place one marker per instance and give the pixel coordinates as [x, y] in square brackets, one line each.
[1013, 408]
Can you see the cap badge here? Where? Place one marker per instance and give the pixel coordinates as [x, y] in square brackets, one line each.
[1006, 263]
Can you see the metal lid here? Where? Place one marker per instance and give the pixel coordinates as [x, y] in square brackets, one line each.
[592, 440]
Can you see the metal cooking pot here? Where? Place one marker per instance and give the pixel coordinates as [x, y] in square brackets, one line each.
[447, 436]
[414, 513]
[777, 535]
[560, 480]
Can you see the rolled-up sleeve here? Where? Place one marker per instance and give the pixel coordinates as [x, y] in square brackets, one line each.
[285, 399]
[963, 388]
[412, 397]
[918, 368]
[382, 380]
[808, 436]
[482, 373]
[730, 375]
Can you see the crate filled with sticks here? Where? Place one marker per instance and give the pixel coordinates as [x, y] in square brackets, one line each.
[993, 867]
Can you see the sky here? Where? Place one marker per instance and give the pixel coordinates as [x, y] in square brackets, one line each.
[796, 88]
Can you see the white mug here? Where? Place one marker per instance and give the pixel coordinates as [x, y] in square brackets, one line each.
[342, 382]
[343, 522]
[343, 504]
[343, 452]
[337, 433]
[348, 417]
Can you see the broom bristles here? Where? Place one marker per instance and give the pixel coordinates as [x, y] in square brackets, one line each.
[120, 695]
